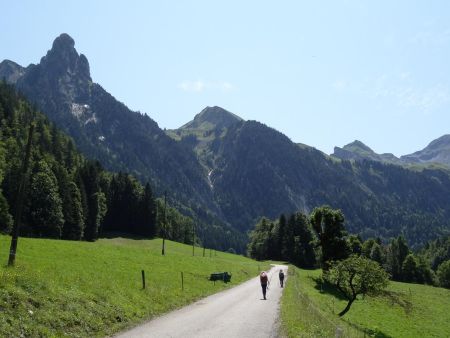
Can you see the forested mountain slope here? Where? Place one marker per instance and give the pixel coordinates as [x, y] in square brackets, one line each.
[259, 171]
[105, 129]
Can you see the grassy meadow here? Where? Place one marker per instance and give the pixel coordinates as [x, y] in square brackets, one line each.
[404, 310]
[81, 289]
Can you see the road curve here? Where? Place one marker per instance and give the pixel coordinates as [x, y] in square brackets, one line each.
[238, 312]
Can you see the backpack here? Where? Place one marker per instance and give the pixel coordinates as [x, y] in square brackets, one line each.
[263, 277]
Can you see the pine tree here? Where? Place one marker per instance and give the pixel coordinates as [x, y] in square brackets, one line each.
[329, 227]
[304, 254]
[409, 269]
[95, 199]
[73, 214]
[147, 212]
[46, 205]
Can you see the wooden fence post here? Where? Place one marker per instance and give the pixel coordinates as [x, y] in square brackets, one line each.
[143, 279]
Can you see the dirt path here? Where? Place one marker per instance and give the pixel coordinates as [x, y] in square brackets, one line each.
[237, 312]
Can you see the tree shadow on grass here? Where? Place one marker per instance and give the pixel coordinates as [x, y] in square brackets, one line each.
[377, 333]
[397, 298]
[324, 287]
[328, 288]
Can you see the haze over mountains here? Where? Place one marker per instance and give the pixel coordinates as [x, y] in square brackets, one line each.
[229, 172]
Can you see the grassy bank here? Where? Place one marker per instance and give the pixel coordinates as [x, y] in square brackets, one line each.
[79, 289]
[404, 310]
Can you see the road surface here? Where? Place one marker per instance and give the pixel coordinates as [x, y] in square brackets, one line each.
[235, 313]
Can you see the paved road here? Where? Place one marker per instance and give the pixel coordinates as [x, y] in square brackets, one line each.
[238, 312]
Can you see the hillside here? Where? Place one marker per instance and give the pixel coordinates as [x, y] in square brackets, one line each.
[86, 289]
[259, 171]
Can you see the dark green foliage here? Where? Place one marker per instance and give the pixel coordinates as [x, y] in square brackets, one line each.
[379, 200]
[437, 251]
[355, 244]
[147, 213]
[258, 247]
[66, 196]
[355, 276]
[443, 273]
[377, 254]
[95, 199]
[291, 241]
[366, 248]
[396, 254]
[329, 227]
[73, 213]
[409, 269]
[45, 204]
[303, 254]
[177, 227]
[5, 216]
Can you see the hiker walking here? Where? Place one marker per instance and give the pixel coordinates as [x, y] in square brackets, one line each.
[264, 282]
[281, 276]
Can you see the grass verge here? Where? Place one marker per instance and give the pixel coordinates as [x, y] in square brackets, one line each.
[403, 310]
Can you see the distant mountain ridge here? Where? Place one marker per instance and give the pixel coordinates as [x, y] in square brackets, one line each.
[437, 152]
[359, 151]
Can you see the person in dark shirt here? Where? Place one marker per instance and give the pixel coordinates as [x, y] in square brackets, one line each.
[263, 278]
[281, 276]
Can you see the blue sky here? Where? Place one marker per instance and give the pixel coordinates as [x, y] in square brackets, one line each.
[322, 72]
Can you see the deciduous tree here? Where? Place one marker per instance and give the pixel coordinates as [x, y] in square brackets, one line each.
[355, 276]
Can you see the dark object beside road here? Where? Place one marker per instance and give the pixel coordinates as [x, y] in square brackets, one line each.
[224, 276]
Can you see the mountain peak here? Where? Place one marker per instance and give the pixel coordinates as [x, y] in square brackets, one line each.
[10, 71]
[437, 151]
[358, 151]
[63, 59]
[211, 118]
[358, 145]
[64, 41]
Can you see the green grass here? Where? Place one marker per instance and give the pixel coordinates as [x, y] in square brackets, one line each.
[80, 289]
[404, 310]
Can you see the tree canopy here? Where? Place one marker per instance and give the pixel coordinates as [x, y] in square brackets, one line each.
[355, 276]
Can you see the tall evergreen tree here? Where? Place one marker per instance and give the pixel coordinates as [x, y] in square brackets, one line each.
[409, 269]
[73, 214]
[304, 253]
[397, 252]
[329, 227]
[281, 236]
[288, 243]
[96, 201]
[147, 210]
[45, 203]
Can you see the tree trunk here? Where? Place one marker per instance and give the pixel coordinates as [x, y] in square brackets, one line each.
[343, 312]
